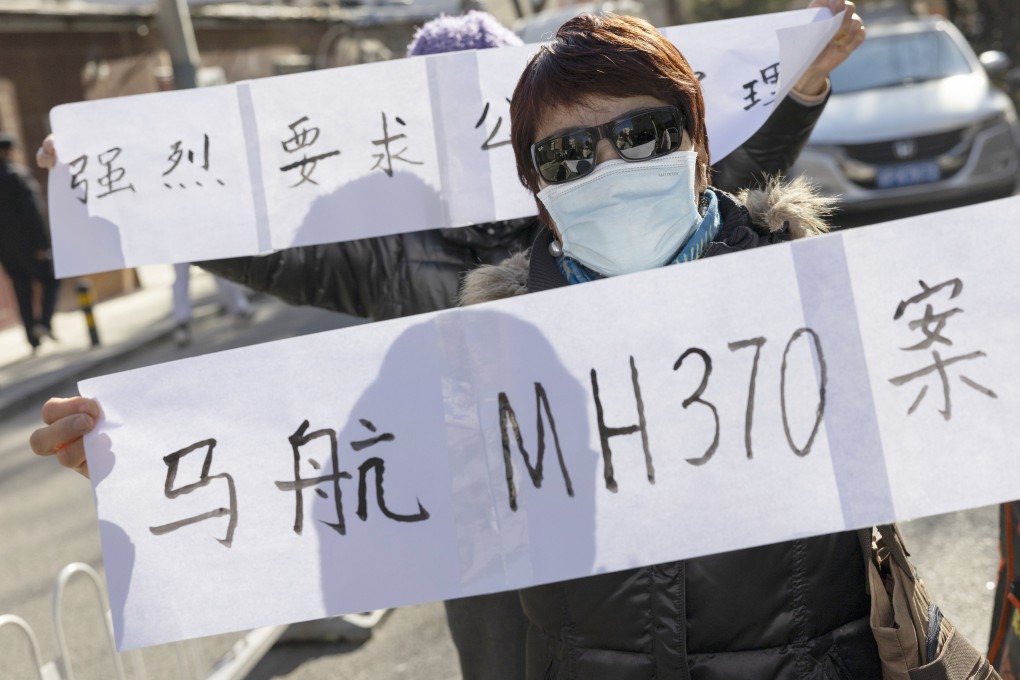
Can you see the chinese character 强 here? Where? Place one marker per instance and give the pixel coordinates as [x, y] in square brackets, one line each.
[111, 181]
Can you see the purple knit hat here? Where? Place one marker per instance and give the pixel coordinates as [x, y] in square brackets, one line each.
[472, 31]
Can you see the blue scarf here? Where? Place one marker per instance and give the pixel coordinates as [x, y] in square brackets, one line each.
[693, 247]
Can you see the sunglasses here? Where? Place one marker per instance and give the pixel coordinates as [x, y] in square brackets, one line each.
[637, 137]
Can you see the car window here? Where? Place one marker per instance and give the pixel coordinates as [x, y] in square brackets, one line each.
[891, 60]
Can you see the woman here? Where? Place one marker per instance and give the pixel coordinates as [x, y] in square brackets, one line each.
[792, 610]
[344, 276]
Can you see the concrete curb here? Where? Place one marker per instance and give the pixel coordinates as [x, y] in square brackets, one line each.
[17, 396]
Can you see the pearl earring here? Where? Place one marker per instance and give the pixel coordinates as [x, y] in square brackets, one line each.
[555, 249]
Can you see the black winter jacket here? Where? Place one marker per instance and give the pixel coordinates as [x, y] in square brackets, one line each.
[22, 227]
[793, 610]
[394, 276]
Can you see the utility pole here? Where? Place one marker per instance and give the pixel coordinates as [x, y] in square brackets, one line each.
[174, 21]
[677, 12]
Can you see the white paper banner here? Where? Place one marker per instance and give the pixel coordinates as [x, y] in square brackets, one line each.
[349, 149]
[119, 199]
[353, 152]
[554, 436]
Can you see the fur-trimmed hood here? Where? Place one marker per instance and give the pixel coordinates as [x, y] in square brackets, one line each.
[779, 211]
[794, 207]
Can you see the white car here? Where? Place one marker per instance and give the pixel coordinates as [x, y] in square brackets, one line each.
[913, 118]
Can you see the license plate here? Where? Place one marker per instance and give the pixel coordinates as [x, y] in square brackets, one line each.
[907, 175]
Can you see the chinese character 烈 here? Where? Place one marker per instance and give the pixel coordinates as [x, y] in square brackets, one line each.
[177, 154]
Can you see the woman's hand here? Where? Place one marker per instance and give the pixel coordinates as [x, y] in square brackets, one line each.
[67, 420]
[847, 39]
[46, 156]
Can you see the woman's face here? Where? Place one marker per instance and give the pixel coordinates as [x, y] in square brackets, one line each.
[596, 112]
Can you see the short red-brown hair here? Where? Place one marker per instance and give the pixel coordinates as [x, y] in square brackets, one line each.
[603, 56]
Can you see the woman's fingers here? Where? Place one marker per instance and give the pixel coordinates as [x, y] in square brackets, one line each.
[56, 408]
[67, 420]
[61, 434]
[46, 156]
[73, 456]
[835, 6]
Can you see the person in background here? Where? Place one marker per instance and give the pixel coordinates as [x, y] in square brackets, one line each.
[794, 610]
[394, 276]
[234, 299]
[25, 245]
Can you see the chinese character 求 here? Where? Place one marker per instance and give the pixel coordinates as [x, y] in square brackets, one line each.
[387, 155]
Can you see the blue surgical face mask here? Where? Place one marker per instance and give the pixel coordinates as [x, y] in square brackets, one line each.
[626, 217]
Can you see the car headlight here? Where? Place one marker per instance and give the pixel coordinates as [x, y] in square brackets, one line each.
[995, 120]
[857, 171]
[949, 163]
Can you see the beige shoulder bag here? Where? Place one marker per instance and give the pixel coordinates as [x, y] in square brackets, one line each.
[915, 641]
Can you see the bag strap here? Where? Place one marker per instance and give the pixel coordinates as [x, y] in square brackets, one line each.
[890, 534]
[866, 537]
[892, 541]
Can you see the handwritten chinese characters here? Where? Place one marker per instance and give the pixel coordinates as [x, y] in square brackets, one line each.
[343, 154]
[769, 415]
[769, 78]
[111, 178]
[173, 462]
[388, 155]
[344, 151]
[932, 326]
[300, 139]
[489, 143]
[177, 154]
[374, 466]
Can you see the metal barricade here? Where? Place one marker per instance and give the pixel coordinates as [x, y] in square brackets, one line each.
[235, 664]
[58, 620]
[47, 671]
[246, 653]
